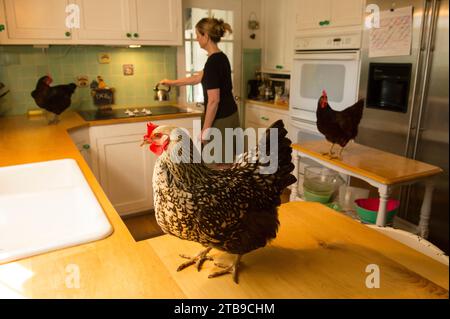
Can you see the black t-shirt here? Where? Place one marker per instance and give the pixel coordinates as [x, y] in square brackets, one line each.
[217, 75]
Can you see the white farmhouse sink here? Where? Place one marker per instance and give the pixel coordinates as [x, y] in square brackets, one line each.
[47, 206]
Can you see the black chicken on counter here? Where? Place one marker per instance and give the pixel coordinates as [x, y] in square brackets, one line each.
[233, 210]
[54, 99]
[339, 127]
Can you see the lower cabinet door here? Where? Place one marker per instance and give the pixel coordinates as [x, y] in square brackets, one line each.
[125, 173]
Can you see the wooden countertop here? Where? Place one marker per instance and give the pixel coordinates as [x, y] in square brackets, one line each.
[272, 105]
[383, 167]
[115, 267]
[318, 252]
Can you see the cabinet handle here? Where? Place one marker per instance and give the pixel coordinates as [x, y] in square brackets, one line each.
[2, 27]
[68, 34]
[327, 22]
[136, 35]
[279, 67]
[264, 118]
[321, 23]
[86, 146]
[128, 35]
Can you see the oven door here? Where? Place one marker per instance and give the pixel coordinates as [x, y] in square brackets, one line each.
[337, 72]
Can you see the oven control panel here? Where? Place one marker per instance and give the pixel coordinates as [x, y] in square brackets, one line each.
[337, 42]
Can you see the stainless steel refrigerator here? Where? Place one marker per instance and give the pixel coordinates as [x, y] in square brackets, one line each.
[407, 106]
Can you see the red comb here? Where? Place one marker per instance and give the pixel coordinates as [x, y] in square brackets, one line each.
[150, 128]
[324, 99]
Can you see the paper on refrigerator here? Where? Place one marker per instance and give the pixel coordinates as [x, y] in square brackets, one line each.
[393, 37]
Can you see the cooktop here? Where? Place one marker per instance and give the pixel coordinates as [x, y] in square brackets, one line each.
[95, 115]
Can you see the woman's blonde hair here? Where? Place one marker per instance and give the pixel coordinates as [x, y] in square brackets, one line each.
[214, 28]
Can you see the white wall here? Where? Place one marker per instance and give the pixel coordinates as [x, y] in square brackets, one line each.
[249, 6]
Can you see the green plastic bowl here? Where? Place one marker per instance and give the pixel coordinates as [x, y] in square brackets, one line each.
[367, 209]
[311, 196]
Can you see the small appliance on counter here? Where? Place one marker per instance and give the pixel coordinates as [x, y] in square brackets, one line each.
[102, 95]
[161, 95]
[253, 89]
[272, 87]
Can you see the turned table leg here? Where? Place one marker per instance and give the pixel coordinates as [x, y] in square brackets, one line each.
[294, 187]
[384, 192]
[425, 210]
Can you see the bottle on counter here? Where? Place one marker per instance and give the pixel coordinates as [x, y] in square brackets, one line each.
[278, 94]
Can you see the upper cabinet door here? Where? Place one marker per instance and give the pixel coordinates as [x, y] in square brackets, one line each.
[158, 21]
[274, 35]
[278, 17]
[105, 20]
[312, 14]
[346, 12]
[114, 22]
[325, 14]
[37, 19]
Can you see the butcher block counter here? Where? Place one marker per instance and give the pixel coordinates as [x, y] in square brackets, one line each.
[380, 169]
[378, 165]
[318, 253]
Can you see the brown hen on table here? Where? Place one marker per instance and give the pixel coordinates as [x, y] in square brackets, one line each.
[339, 127]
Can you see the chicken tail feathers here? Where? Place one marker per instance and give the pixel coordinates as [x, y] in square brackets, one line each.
[283, 154]
[69, 88]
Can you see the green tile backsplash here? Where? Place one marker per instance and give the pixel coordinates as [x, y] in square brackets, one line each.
[22, 66]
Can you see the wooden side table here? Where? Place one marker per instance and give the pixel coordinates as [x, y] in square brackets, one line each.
[380, 169]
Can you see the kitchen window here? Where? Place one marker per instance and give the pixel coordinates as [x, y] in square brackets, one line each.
[195, 57]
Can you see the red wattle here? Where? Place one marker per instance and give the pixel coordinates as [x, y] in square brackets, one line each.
[159, 149]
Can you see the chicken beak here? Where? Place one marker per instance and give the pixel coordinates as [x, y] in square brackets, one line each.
[144, 142]
[49, 80]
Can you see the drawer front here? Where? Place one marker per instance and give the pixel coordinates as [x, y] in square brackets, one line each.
[264, 117]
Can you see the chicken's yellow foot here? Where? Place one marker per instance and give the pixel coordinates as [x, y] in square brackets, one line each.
[54, 120]
[232, 269]
[330, 153]
[340, 153]
[198, 260]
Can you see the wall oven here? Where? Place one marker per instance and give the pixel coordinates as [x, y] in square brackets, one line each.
[330, 63]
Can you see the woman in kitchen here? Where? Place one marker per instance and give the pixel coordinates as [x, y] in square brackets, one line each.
[220, 107]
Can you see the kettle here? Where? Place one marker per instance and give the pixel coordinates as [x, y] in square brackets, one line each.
[161, 95]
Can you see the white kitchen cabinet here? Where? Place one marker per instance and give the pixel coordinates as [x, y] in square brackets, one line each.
[131, 21]
[125, 172]
[37, 19]
[3, 33]
[277, 52]
[159, 21]
[260, 116]
[347, 13]
[102, 22]
[105, 20]
[313, 15]
[80, 137]
[124, 168]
